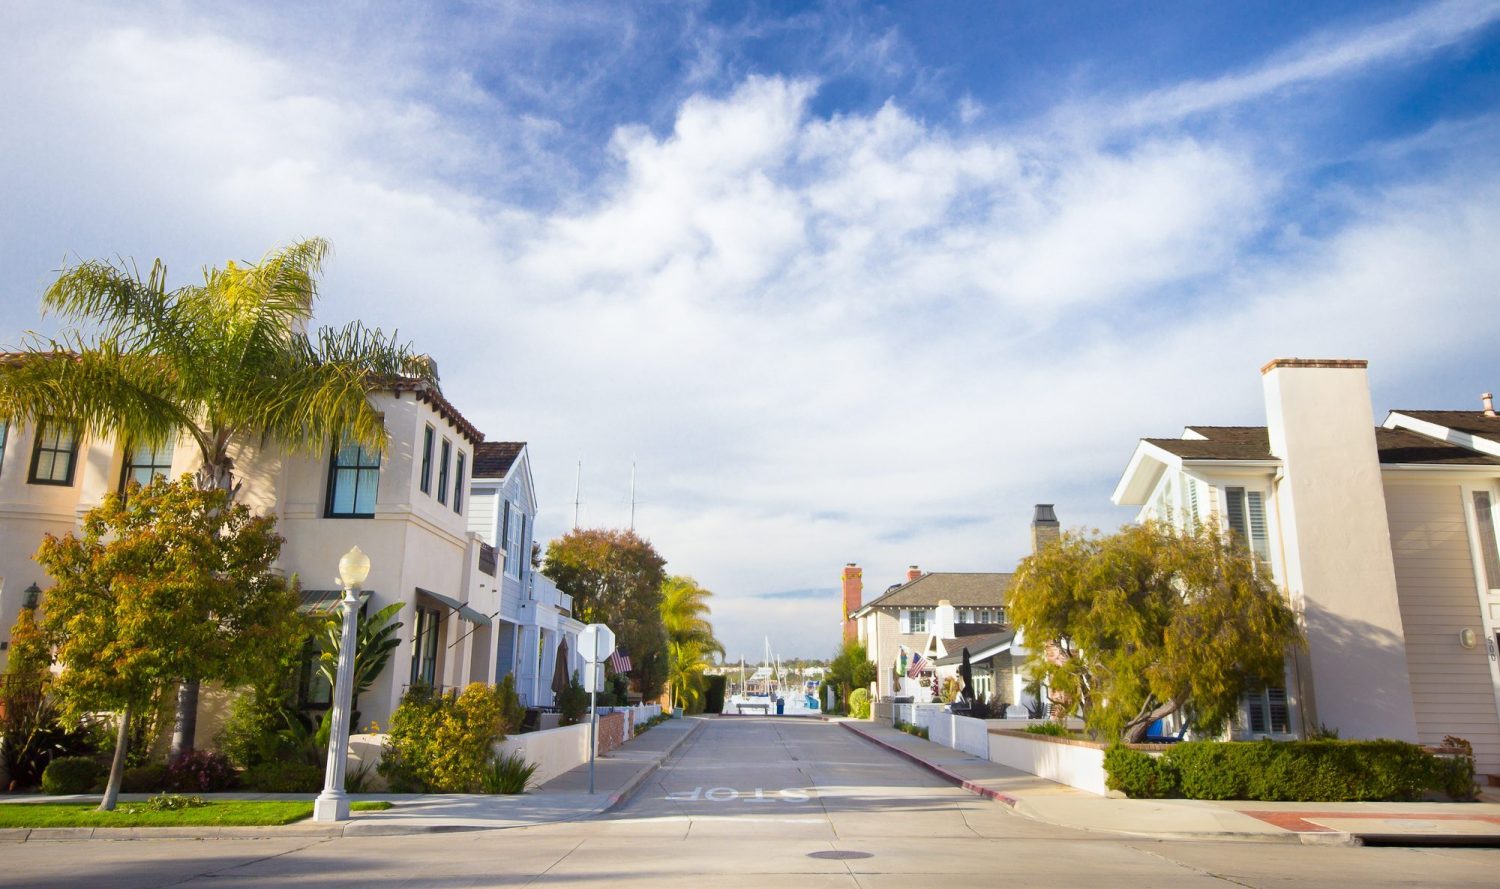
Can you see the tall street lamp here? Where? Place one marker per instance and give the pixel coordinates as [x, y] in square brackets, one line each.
[333, 803]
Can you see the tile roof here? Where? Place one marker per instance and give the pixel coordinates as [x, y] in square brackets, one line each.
[493, 459]
[433, 394]
[962, 589]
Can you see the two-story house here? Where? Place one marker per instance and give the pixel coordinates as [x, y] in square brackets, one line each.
[929, 613]
[406, 508]
[1383, 538]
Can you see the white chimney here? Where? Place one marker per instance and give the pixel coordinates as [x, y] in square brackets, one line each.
[942, 622]
[1488, 400]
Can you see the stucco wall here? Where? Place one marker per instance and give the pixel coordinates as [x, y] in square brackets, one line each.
[1340, 569]
[1074, 763]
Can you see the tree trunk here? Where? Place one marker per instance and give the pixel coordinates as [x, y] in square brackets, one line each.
[185, 726]
[117, 765]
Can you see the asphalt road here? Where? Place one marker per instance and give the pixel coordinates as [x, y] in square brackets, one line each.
[763, 803]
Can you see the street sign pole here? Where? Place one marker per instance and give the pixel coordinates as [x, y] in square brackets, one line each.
[596, 642]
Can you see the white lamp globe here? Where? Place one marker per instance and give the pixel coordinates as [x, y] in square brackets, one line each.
[354, 567]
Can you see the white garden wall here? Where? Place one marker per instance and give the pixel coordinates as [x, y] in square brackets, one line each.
[553, 751]
[1077, 764]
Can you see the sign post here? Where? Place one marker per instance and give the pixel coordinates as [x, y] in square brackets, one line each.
[596, 643]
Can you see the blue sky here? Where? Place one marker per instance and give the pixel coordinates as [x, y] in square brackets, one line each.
[849, 282]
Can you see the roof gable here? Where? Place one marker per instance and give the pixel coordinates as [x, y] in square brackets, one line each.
[493, 459]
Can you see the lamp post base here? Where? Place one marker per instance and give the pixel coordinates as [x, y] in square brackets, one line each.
[331, 805]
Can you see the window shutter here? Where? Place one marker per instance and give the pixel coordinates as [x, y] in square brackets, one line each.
[1260, 542]
[1236, 501]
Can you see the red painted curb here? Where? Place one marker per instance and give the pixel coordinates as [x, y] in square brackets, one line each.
[960, 781]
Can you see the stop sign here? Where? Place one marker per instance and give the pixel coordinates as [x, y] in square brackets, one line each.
[596, 642]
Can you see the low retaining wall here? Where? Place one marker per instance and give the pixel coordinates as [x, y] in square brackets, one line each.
[1067, 761]
[553, 751]
[611, 731]
[883, 712]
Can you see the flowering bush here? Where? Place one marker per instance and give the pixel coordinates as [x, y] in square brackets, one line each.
[443, 743]
[202, 771]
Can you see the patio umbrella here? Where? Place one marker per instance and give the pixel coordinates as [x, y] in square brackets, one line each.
[560, 674]
[966, 676]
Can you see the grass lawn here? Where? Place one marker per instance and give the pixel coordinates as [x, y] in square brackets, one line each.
[221, 813]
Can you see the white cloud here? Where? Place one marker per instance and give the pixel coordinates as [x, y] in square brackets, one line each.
[823, 338]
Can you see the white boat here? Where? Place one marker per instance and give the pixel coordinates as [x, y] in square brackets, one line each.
[768, 691]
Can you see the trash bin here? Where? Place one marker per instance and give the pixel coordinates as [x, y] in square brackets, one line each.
[780, 706]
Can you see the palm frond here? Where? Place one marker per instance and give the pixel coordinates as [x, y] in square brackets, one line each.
[101, 387]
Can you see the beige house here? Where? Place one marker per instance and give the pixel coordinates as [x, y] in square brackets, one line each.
[1383, 539]
[928, 614]
[406, 509]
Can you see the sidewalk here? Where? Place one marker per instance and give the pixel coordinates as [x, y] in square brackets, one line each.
[1274, 822]
[564, 798]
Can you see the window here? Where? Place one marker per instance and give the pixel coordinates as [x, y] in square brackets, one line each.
[1247, 518]
[1485, 519]
[505, 534]
[458, 484]
[55, 454]
[443, 460]
[1267, 711]
[313, 692]
[144, 463]
[352, 482]
[426, 480]
[516, 557]
[424, 648]
[4, 432]
[916, 621]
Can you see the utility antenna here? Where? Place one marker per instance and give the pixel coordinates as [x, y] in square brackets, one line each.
[632, 495]
[577, 494]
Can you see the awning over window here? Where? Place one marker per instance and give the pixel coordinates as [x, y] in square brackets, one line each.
[323, 603]
[464, 611]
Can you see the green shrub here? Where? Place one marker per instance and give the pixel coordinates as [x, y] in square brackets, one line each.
[1138, 775]
[912, 729]
[70, 774]
[859, 703]
[443, 743]
[144, 779]
[573, 702]
[1051, 729]
[508, 774]
[1324, 771]
[512, 714]
[283, 777]
[713, 693]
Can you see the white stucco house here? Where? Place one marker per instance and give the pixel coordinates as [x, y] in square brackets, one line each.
[1382, 537]
[407, 509]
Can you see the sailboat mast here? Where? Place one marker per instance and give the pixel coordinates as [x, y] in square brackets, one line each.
[577, 494]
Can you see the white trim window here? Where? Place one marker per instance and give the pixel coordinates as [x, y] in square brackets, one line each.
[914, 620]
[1265, 712]
[4, 437]
[1484, 520]
[1247, 519]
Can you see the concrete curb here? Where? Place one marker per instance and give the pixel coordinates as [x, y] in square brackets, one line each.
[623, 795]
[1019, 806]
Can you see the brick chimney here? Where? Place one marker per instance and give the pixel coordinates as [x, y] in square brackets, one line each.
[854, 588]
[1044, 526]
[913, 573]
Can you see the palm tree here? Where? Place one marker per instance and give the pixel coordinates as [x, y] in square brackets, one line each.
[223, 363]
[690, 637]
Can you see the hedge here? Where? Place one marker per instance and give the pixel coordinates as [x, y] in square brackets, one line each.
[68, 775]
[1321, 771]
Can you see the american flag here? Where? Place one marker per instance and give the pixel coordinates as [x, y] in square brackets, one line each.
[619, 661]
[918, 664]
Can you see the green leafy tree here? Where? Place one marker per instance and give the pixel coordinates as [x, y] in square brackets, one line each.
[690, 638]
[1149, 622]
[850, 669]
[615, 578]
[221, 364]
[176, 582]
